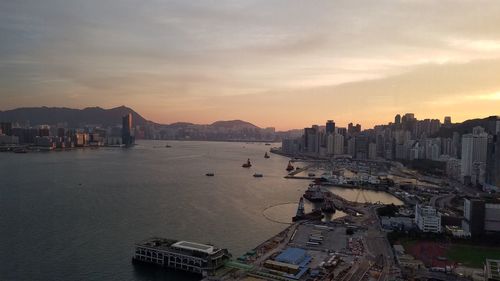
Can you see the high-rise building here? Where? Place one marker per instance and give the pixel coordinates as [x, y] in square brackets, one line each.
[474, 152]
[330, 147]
[127, 138]
[447, 121]
[330, 127]
[493, 161]
[311, 139]
[397, 119]
[372, 151]
[338, 144]
[481, 216]
[6, 128]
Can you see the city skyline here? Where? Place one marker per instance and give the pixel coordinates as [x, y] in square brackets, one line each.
[291, 63]
[442, 120]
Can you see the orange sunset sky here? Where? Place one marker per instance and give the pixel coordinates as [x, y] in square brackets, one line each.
[287, 64]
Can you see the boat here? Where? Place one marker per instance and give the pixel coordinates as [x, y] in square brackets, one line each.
[268, 144]
[328, 207]
[203, 259]
[314, 194]
[209, 174]
[289, 167]
[267, 156]
[247, 164]
[168, 146]
[311, 174]
[257, 175]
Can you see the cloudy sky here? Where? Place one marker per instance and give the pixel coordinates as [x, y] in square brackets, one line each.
[284, 63]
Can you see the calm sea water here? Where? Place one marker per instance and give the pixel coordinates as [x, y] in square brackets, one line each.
[75, 215]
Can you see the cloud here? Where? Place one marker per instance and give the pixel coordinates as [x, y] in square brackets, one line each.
[368, 56]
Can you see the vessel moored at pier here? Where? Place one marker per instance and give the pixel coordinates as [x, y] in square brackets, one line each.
[181, 255]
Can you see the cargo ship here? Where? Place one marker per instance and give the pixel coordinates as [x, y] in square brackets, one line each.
[181, 255]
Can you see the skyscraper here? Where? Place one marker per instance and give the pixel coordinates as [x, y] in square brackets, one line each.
[127, 138]
[330, 127]
[397, 119]
[447, 121]
[474, 153]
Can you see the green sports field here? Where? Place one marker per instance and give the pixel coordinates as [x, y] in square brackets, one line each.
[470, 255]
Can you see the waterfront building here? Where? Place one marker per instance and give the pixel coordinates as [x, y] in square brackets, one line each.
[181, 255]
[291, 146]
[127, 137]
[427, 219]
[8, 140]
[6, 128]
[474, 150]
[311, 140]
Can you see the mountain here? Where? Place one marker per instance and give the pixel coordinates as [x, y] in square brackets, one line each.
[488, 123]
[234, 124]
[73, 117]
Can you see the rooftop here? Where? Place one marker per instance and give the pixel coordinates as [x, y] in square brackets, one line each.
[208, 249]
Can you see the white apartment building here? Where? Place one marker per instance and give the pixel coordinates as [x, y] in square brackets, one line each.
[427, 219]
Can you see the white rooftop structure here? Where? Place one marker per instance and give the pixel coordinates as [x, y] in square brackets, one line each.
[191, 246]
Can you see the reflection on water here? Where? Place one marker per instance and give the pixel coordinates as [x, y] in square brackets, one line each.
[365, 196]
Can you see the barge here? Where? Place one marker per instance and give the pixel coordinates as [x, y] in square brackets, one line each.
[181, 255]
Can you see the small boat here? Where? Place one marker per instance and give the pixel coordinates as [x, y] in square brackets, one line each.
[267, 156]
[268, 144]
[209, 174]
[311, 174]
[247, 164]
[289, 167]
[168, 146]
[256, 175]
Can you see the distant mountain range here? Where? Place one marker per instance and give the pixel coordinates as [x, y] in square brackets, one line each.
[99, 116]
[73, 117]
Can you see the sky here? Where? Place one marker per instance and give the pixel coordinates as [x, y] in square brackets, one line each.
[281, 63]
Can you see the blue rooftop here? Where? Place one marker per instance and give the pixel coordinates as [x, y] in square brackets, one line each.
[292, 256]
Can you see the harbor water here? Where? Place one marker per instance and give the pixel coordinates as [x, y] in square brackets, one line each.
[75, 215]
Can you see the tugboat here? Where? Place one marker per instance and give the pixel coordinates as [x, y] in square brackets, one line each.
[314, 194]
[257, 175]
[289, 167]
[247, 164]
[267, 156]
